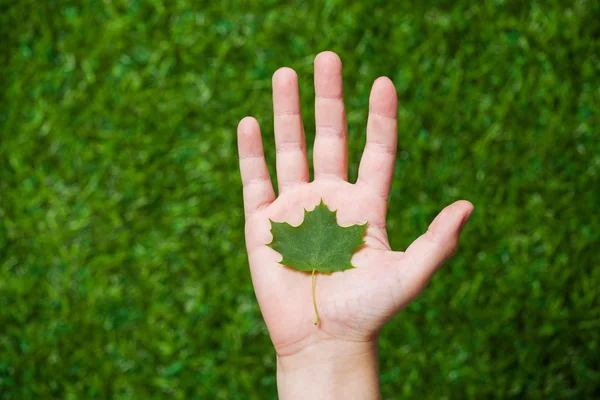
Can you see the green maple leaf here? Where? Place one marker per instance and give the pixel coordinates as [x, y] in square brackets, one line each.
[319, 244]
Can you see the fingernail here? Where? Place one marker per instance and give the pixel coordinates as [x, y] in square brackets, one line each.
[466, 217]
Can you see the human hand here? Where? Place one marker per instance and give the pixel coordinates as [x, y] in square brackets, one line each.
[354, 304]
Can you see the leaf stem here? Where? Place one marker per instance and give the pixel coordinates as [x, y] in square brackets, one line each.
[314, 298]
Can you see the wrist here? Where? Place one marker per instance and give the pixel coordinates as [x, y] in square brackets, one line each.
[330, 369]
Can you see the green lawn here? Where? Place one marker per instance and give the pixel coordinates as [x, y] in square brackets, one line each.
[122, 265]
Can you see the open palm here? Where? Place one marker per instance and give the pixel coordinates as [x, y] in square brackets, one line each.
[353, 304]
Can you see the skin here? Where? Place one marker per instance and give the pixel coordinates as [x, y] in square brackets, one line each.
[337, 358]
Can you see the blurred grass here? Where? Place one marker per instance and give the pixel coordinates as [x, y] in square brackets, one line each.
[122, 265]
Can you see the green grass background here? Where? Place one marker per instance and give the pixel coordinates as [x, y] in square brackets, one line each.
[122, 266]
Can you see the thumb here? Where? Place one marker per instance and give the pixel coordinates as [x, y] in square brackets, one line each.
[426, 254]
